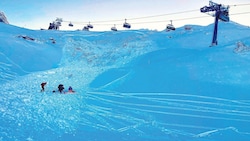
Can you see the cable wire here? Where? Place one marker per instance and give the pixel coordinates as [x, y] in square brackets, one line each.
[246, 4]
[164, 14]
[240, 13]
[120, 22]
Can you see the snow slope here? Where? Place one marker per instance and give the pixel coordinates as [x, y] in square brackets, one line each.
[131, 85]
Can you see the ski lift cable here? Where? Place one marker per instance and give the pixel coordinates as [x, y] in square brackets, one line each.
[107, 21]
[207, 17]
[181, 12]
[246, 4]
[240, 13]
[181, 19]
[188, 11]
[94, 22]
[153, 16]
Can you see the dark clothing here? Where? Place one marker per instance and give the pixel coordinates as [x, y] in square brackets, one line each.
[42, 85]
[70, 88]
[60, 88]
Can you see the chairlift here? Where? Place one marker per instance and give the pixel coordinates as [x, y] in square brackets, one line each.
[70, 24]
[90, 25]
[221, 13]
[170, 26]
[224, 16]
[214, 7]
[126, 25]
[114, 28]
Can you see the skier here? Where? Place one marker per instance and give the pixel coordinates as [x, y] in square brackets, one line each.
[42, 85]
[60, 88]
[70, 90]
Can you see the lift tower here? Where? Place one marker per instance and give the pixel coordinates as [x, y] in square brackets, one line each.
[221, 13]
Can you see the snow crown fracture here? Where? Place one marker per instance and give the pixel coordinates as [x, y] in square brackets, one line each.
[3, 18]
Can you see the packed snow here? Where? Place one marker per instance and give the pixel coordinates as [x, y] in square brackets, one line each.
[130, 85]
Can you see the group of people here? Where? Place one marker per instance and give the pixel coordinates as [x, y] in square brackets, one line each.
[60, 88]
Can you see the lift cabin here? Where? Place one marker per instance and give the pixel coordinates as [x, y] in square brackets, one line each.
[114, 28]
[170, 27]
[90, 25]
[126, 25]
[70, 24]
[221, 13]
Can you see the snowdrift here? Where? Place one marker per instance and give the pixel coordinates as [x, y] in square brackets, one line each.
[130, 85]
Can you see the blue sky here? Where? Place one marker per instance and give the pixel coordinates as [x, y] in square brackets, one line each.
[37, 14]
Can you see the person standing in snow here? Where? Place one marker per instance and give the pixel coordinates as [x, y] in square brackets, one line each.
[42, 85]
[60, 88]
[70, 90]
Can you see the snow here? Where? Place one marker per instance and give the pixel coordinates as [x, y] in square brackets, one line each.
[3, 18]
[130, 85]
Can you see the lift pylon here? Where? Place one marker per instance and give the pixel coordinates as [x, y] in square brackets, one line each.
[221, 13]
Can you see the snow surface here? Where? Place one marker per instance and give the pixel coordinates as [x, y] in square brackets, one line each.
[3, 18]
[133, 85]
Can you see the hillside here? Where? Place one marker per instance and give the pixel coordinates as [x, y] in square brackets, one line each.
[130, 85]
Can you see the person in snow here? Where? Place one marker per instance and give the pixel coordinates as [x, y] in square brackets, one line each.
[60, 88]
[43, 85]
[70, 90]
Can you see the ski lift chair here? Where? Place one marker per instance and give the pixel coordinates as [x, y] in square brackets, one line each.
[90, 25]
[170, 26]
[114, 28]
[70, 24]
[126, 25]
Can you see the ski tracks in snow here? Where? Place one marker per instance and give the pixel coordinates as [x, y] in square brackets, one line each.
[169, 113]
